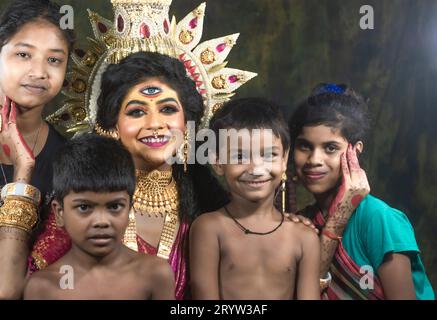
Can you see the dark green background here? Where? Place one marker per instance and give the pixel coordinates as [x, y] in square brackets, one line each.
[295, 44]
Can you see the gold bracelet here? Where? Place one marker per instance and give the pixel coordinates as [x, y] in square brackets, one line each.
[324, 283]
[18, 212]
[20, 189]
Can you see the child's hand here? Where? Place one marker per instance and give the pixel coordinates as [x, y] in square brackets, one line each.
[301, 219]
[12, 142]
[354, 187]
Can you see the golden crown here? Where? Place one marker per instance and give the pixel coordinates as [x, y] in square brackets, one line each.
[144, 25]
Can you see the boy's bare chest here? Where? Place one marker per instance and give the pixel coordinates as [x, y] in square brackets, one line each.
[275, 252]
[104, 287]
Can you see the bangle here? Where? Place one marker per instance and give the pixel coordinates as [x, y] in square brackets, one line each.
[19, 213]
[331, 235]
[324, 283]
[20, 189]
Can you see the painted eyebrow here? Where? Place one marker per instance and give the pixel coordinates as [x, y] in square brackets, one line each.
[27, 45]
[167, 100]
[143, 103]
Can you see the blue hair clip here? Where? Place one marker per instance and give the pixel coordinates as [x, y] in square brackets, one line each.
[332, 88]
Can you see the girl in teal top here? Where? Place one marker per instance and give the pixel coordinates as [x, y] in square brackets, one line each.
[377, 255]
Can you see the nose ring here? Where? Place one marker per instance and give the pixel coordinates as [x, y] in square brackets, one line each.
[155, 133]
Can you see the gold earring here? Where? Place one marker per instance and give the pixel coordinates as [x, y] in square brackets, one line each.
[107, 133]
[283, 190]
[184, 149]
[114, 134]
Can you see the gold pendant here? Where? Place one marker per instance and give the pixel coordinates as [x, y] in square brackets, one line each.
[156, 193]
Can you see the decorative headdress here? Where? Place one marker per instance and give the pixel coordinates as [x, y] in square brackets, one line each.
[144, 25]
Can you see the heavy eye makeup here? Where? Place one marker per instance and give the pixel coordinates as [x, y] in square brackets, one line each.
[137, 109]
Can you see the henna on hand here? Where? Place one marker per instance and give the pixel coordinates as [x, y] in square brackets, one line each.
[13, 144]
[353, 189]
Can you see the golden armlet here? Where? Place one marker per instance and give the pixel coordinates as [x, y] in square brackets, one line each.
[18, 212]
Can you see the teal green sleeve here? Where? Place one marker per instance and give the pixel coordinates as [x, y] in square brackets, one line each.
[388, 231]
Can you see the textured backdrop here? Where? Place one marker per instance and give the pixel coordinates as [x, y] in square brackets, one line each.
[295, 44]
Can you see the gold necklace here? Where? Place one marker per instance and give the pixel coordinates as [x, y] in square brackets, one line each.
[156, 193]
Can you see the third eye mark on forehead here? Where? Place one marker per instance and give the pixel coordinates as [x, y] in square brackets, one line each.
[151, 91]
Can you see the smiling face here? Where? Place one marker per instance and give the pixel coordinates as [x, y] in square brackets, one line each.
[96, 222]
[255, 175]
[317, 154]
[149, 115]
[33, 64]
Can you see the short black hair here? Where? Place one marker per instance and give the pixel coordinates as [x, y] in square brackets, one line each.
[336, 106]
[93, 163]
[119, 78]
[21, 12]
[251, 113]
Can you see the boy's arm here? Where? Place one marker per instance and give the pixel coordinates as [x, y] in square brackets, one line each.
[163, 282]
[308, 286]
[204, 259]
[396, 278]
